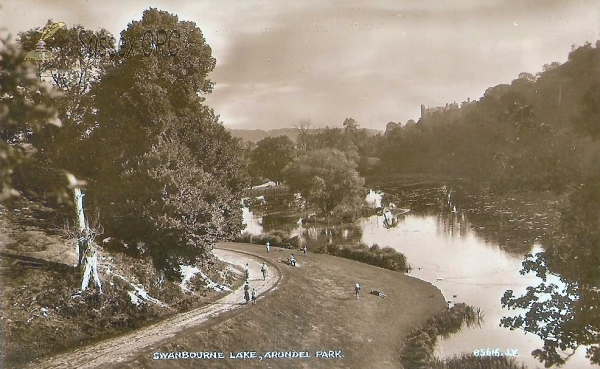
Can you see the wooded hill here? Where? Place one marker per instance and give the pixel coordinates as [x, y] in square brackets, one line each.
[255, 135]
[536, 132]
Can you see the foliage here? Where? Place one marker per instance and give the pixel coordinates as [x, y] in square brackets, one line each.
[386, 258]
[74, 71]
[274, 238]
[420, 344]
[568, 319]
[327, 179]
[588, 121]
[26, 106]
[469, 361]
[163, 171]
[270, 157]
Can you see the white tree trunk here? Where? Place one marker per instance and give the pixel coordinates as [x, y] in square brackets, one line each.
[86, 250]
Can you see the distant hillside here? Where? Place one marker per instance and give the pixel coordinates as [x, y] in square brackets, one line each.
[256, 135]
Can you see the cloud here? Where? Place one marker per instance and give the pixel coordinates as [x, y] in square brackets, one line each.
[377, 61]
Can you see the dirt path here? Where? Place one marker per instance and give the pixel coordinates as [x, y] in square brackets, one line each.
[123, 348]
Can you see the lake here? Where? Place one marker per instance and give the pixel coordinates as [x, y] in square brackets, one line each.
[446, 249]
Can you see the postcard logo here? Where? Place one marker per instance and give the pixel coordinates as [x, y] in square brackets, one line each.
[40, 53]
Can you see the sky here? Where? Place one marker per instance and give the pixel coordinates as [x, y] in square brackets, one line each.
[282, 61]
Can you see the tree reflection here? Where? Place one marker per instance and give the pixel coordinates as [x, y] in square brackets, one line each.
[566, 316]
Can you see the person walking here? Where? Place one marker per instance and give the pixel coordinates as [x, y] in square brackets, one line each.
[263, 270]
[268, 247]
[247, 271]
[304, 249]
[247, 292]
[357, 290]
[254, 296]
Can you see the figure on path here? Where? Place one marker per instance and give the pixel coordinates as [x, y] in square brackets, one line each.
[247, 292]
[304, 249]
[263, 270]
[357, 290]
[292, 260]
[247, 271]
[254, 296]
[268, 247]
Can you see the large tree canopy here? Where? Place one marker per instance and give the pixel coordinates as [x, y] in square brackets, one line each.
[326, 178]
[163, 170]
[270, 157]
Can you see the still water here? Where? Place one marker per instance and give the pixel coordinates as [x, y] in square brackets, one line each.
[444, 250]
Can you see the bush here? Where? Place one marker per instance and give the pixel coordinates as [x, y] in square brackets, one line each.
[275, 238]
[420, 344]
[469, 361]
[387, 258]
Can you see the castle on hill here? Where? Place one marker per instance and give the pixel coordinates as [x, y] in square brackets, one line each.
[426, 112]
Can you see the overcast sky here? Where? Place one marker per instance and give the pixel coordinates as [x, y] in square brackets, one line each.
[376, 61]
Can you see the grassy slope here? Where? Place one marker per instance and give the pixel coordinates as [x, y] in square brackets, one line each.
[314, 309]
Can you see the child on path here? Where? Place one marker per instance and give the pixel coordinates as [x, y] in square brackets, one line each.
[268, 247]
[263, 269]
[254, 296]
[357, 290]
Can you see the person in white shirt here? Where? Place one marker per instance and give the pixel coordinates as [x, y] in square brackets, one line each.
[247, 271]
[254, 296]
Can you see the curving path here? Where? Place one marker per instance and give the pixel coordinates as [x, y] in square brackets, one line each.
[123, 348]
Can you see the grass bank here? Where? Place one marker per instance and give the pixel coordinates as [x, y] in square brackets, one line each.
[312, 309]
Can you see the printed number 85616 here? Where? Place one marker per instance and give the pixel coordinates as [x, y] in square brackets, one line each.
[496, 352]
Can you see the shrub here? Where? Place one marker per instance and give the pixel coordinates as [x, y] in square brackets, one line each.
[420, 344]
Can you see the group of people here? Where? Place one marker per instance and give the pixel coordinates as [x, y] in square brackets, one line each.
[248, 295]
[252, 295]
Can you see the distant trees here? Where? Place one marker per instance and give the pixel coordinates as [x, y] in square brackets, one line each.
[517, 135]
[327, 179]
[270, 157]
[588, 120]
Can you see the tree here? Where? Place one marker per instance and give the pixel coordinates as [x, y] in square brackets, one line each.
[26, 107]
[302, 129]
[588, 121]
[327, 179]
[270, 157]
[350, 125]
[76, 67]
[164, 170]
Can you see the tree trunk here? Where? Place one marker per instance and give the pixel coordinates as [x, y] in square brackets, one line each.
[86, 249]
